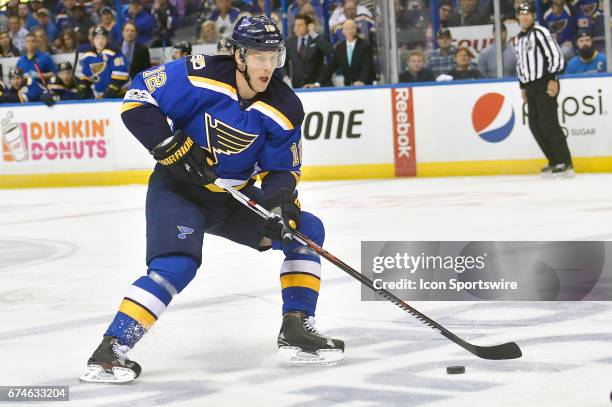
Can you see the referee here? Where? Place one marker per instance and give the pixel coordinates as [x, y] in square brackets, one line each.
[539, 63]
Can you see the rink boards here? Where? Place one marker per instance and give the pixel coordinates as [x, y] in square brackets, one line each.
[369, 132]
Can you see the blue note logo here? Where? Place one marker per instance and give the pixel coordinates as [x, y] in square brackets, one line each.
[184, 231]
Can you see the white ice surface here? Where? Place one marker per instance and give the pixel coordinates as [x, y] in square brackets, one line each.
[67, 257]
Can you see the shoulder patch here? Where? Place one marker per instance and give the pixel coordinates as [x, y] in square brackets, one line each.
[281, 104]
[216, 73]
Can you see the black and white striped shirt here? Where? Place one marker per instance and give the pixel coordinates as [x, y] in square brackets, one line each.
[537, 55]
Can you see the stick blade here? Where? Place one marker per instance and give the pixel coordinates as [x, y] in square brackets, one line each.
[504, 351]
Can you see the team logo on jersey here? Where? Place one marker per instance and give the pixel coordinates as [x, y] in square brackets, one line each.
[183, 232]
[96, 69]
[224, 139]
[493, 117]
[557, 26]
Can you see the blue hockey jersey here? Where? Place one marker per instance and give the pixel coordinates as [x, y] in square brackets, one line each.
[243, 138]
[563, 26]
[103, 69]
[29, 92]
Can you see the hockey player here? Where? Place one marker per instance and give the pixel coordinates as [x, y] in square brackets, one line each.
[231, 118]
[21, 90]
[181, 49]
[104, 70]
[62, 86]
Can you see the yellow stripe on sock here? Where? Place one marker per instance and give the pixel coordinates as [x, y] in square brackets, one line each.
[140, 314]
[300, 280]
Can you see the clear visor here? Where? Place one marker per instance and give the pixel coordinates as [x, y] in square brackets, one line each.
[266, 59]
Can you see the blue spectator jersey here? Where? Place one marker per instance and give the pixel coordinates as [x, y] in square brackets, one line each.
[42, 59]
[596, 64]
[145, 23]
[198, 94]
[563, 26]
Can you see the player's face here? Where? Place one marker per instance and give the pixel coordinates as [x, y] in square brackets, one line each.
[65, 76]
[261, 65]
[177, 54]
[17, 82]
[525, 20]
[100, 42]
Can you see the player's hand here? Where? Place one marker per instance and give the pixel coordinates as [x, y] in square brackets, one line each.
[524, 95]
[185, 159]
[552, 88]
[48, 99]
[111, 92]
[284, 204]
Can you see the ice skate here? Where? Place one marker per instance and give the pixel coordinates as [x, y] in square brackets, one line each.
[109, 364]
[301, 344]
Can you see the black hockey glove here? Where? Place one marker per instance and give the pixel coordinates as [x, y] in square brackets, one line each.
[184, 159]
[111, 92]
[285, 204]
[48, 99]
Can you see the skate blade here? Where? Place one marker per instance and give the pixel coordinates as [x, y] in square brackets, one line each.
[547, 175]
[566, 174]
[324, 357]
[97, 374]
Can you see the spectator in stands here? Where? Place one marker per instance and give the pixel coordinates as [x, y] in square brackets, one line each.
[442, 60]
[136, 55]
[145, 23]
[17, 33]
[179, 5]
[166, 20]
[27, 19]
[366, 27]
[3, 22]
[65, 14]
[42, 40]
[7, 49]
[95, 11]
[306, 51]
[224, 17]
[224, 47]
[35, 63]
[562, 23]
[12, 8]
[36, 5]
[68, 42]
[209, 34]
[339, 16]
[62, 86]
[21, 89]
[258, 7]
[470, 13]
[44, 22]
[181, 49]
[588, 59]
[463, 66]
[81, 21]
[446, 12]
[354, 58]
[487, 59]
[107, 21]
[314, 11]
[87, 45]
[416, 70]
[411, 15]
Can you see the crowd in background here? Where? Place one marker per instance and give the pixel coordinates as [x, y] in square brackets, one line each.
[36, 29]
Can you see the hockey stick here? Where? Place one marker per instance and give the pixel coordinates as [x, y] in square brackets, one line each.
[508, 350]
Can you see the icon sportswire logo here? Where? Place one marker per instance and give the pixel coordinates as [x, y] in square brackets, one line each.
[493, 117]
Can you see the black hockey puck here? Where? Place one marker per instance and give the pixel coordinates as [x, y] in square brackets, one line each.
[455, 369]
